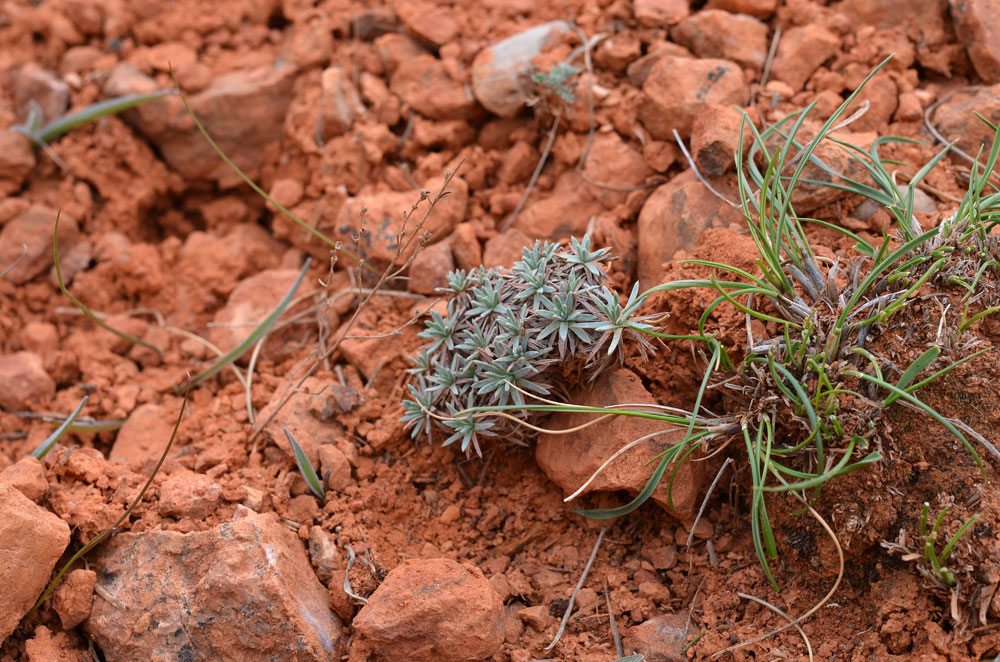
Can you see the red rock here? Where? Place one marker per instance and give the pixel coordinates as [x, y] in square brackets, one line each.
[33, 83]
[262, 95]
[286, 192]
[430, 269]
[613, 162]
[497, 71]
[194, 77]
[660, 639]
[310, 42]
[760, 8]
[661, 558]
[537, 618]
[79, 59]
[383, 103]
[801, 51]
[677, 89]
[809, 197]
[433, 610]
[249, 303]
[569, 460]
[243, 590]
[518, 163]
[49, 646]
[674, 217]
[424, 84]
[382, 220]
[714, 33]
[638, 71]
[341, 103]
[618, 51]
[977, 23]
[324, 555]
[74, 598]
[394, 49]
[956, 119]
[188, 494]
[660, 13]
[883, 98]
[505, 249]
[141, 440]
[24, 382]
[715, 137]
[427, 21]
[31, 541]
[334, 467]
[309, 432]
[465, 247]
[33, 228]
[17, 160]
[565, 211]
[27, 476]
[161, 57]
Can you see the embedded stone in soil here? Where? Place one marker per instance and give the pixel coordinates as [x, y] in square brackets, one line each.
[430, 610]
[570, 459]
[31, 541]
[242, 591]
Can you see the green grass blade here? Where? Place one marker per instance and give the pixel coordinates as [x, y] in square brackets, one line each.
[47, 445]
[306, 467]
[79, 304]
[914, 369]
[95, 111]
[945, 370]
[255, 335]
[930, 411]
[954, 539]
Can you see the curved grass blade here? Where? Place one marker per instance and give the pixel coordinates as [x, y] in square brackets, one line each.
[912, 371]
[24, 251]
[79, 304]
[96, 540]
[255, 335]
[47, 445]
[92, 112]
[306, 467]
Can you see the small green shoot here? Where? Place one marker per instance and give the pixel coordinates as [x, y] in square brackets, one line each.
[938, 562]
[693, 641]
[306, 467]
[79, 304]
[558, 80]
[47, 445]
[40, 135]
[106, 533]
[255, 335]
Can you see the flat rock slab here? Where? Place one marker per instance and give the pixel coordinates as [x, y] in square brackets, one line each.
[241, 592]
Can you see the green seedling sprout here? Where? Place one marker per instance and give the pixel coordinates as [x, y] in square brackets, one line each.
[255, 335]
[41, 136]
[79, 304]
[306, 467]
[938, 562]
[106, 533]
[558, 80]
[47, 445]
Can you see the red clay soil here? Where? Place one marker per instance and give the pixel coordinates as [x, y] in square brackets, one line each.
[332, 105]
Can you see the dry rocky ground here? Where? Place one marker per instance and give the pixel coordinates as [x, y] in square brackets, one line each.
[331, 105]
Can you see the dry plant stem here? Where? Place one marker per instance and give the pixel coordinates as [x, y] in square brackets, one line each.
[697, 173]
[211, 347]
[765, 603]
[534, 176]
[388, 274]
[704, 502]
[579, 585]
[937, 134]
[613, 457]
[589, 66]
[614, 626]
[771, 52]
[818, 605]
[251, 415]
[24, 251]
[347, 575]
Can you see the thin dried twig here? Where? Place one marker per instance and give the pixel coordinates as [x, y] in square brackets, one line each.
[704, 502]
[579, 585]
[24, 251]
[765, 603]
[697, 173]
[534, 176]
[614, 626]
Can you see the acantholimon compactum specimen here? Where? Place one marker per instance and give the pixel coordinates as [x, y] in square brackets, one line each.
[511, 336]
